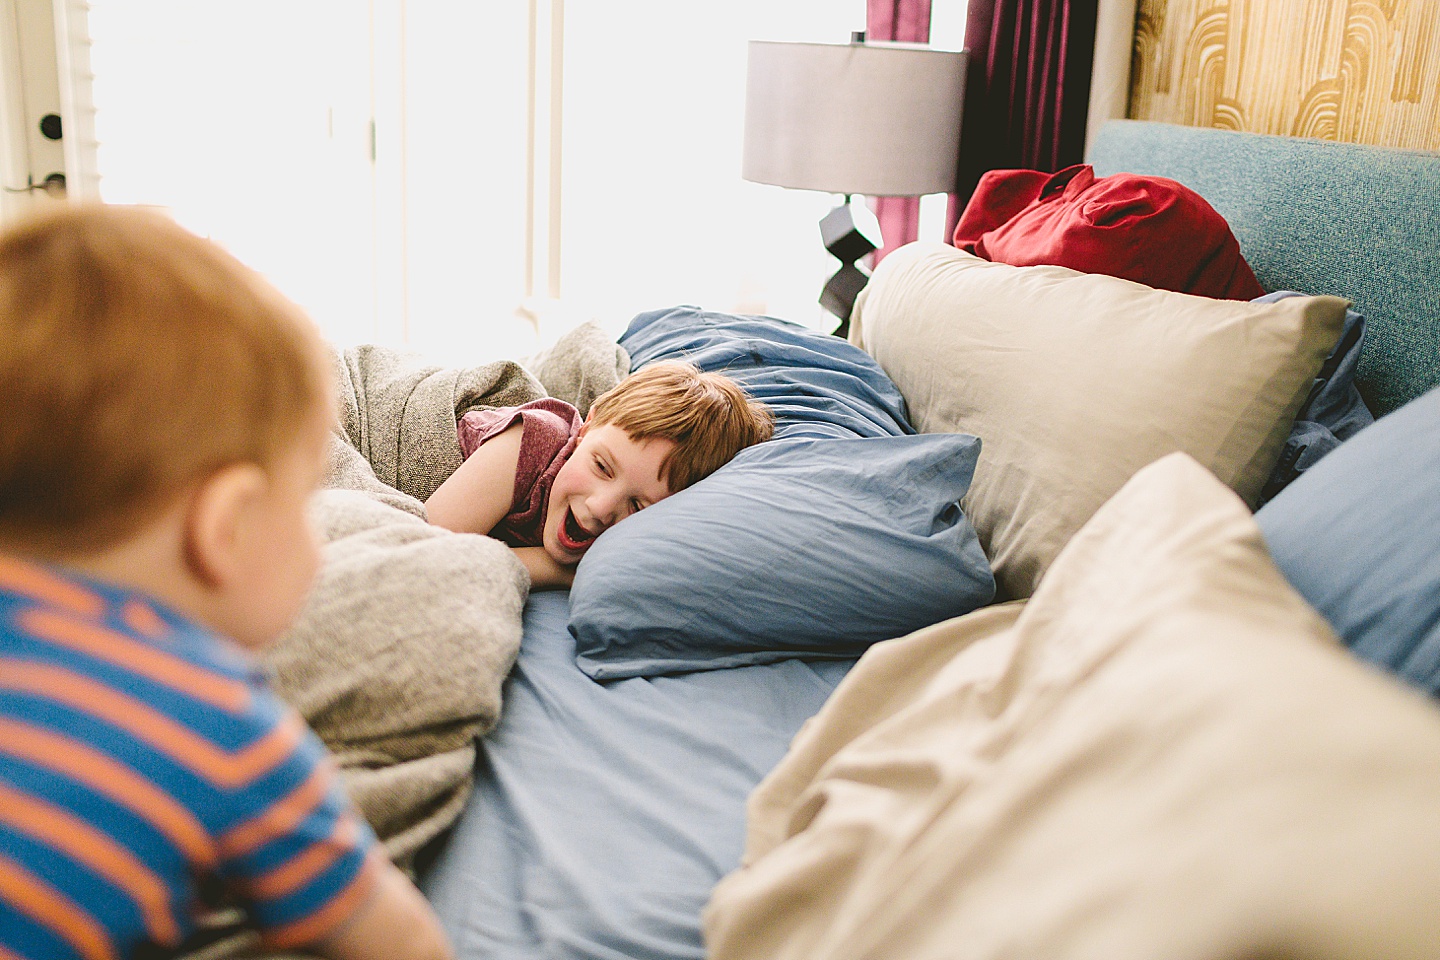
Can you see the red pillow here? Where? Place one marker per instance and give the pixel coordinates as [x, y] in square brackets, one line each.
[1148, 229]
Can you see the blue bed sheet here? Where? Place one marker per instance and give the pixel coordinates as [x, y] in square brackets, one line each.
[604, 813]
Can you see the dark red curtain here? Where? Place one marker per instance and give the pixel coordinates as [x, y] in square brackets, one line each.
[1026, 96]
[907, 21]
[1028, 89]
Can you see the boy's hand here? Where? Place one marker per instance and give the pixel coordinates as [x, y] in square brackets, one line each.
[545, 573]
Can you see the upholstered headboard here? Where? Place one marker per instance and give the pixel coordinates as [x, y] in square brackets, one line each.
[1318, 217]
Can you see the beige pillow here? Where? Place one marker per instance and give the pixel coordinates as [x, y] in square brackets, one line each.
[1163, 753]
[1074, 381]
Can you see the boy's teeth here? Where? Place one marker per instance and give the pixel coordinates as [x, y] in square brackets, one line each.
[573, 531]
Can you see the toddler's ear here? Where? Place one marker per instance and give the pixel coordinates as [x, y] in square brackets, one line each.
[215, 524]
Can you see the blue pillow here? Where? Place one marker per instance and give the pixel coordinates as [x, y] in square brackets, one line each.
[843, 530]
[797, 547]
[1357, 536]
[1334, 410]
[816, 385]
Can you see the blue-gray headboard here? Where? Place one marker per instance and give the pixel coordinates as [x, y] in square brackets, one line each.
[1314, 216]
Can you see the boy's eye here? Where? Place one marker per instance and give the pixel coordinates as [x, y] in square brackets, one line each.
[636, 506]
[602, 467]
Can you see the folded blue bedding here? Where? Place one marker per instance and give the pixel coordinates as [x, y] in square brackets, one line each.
[816, 385]
[604, 813]
[1334, 411]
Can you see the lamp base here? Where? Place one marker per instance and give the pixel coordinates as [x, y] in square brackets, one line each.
[850, 231]
[840, 292]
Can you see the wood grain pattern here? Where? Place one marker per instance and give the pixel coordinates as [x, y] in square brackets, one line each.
[1361, 71]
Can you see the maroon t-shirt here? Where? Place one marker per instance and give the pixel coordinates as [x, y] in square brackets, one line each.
[551, 430]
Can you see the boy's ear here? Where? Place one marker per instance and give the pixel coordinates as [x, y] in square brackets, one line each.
[214, 525]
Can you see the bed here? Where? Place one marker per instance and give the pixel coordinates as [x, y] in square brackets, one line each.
[882, 689]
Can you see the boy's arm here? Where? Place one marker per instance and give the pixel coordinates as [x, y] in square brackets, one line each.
[394, 922]
[479, 494]
[545, 573]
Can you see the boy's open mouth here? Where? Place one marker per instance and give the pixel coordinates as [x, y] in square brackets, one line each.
[571, 535]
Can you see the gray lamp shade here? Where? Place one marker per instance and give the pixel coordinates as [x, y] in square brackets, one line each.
[878, 119]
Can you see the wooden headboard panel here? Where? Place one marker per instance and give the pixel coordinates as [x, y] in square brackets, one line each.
[1356, 71]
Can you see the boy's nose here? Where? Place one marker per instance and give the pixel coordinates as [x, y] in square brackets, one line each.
[603, 505]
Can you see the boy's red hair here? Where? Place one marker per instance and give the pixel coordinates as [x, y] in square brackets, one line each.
[707, 416]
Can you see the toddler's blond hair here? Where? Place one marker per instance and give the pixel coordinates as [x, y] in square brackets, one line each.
[135, 359]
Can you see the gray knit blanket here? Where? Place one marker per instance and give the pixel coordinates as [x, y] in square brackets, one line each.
[398, 657]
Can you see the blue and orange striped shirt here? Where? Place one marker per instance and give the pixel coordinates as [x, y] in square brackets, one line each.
[141, 756]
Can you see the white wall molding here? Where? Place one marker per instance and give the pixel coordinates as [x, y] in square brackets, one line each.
[77, 99]
[545, 117]
[45, 72]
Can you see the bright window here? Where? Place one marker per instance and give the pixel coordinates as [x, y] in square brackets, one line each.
[369, 158]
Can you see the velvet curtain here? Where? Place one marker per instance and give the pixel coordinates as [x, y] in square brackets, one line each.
[1028, 91]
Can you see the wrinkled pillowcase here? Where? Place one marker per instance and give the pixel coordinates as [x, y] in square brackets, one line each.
[1333, 412]
[1075, 381]
[844, 530]
[1356, 536]
[797, 547]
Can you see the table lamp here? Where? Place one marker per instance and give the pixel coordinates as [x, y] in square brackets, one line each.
[864, 118]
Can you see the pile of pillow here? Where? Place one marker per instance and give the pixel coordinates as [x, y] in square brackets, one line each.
[843, 530]
[1074, 381]
[1077, 381]
[1039, 391]
[1161, 233]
